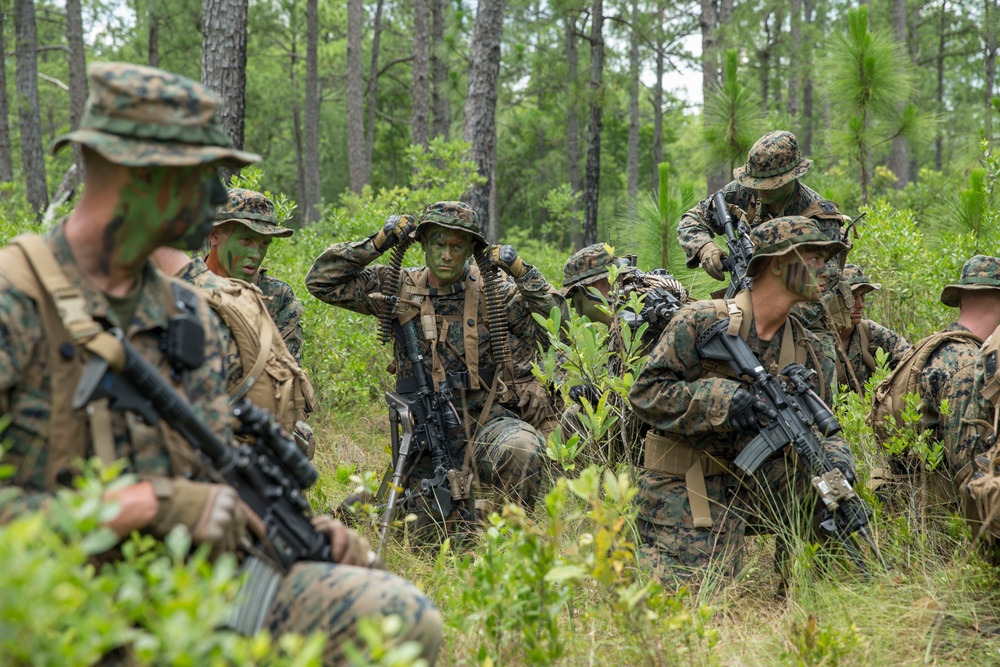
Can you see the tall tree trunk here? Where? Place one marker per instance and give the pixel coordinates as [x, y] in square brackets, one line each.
[224, 60]
[313, 101]
[795, 57]
[942, 40]
[421, 120]
[300, 168]
[990, 8]
[6, 159]
[153, 49]
[899, 159]
[373, 88]
[357, 156]
[439, 67]
[715, 177]
[592, 185]
[633, 105]
[658, 105]
[572, 123]
[480, 110]
[77, 76]
[806, 122]
[25, 53]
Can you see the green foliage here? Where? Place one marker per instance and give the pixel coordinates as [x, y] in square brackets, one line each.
[811, 644]
[252, 178]
[733, 119]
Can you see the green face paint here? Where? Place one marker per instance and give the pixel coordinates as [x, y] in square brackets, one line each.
[777, 196]
[446, 251]
[803, 276]
[241, 254]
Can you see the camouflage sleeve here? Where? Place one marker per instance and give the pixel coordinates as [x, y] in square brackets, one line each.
[697, 227]
[670, 392]
[888, 340]
[341, 276]
[973, 437]
[533, 295]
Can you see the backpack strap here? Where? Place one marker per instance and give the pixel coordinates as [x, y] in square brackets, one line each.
[864, 333]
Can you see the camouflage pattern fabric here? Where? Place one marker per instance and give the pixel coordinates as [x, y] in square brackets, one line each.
[879, 338]
[253, 210]
[285, 309]
[773, 161]
[329, 599]
[978, 273]
[857, 279]
[588, 265]
[453, 215]
[950, 360]
[343, 276]
[141, 116]
[674, 394]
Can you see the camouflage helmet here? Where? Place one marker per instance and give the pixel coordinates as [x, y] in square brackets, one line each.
[780, 236]
[452, 215]
[979, 273]
[589, 265]
[773, 161]
[253, 210]
[140, 116]
[856, 278]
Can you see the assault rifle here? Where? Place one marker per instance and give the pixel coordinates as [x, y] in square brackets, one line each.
[658, 307]
[798, 410]
[740, 246]
[421, 424]
[269, 475]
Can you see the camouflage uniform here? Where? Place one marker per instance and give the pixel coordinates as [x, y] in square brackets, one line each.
[878, 337]
[143, 117]
[256, 212]
[688, 405]
[508, 453]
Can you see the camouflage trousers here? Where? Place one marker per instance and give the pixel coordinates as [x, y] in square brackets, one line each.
[330, 599]
[774, 500]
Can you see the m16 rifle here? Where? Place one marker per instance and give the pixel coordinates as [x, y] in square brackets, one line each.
[270, 475]
[798, 410]
[423, 424]
[740, 246]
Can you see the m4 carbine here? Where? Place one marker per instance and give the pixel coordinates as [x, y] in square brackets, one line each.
[740, 246]
[798, 410]
[270, 475]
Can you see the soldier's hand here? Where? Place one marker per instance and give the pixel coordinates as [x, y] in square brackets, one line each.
[711, 257]
[507, 259]
[347, 547]
[744, 409]
[212, 512]
[395, 229]
[848, 471]
[532, 401]
[584, 392]
[736, 213]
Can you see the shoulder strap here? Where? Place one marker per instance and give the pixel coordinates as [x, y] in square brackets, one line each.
[865, 336]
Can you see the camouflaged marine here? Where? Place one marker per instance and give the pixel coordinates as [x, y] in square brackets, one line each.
[448, 298]
[243, 231]
[694, 511]
[60, 294]
[864, 337]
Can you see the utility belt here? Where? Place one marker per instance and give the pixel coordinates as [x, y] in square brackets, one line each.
[458, 381]
[671, 455]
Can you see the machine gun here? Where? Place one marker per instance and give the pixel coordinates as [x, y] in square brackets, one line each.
[269, 475]
[798, 410]
[740, 246]
[419, 424]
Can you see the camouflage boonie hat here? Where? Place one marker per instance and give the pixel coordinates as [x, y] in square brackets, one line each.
[857, 279]
[779, 236]
[773, 161]
[587, 266]
[453, 215]
[251, 209]
[140, 116]
[979, 273]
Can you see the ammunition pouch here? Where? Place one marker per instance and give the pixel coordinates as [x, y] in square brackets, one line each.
[670, 454]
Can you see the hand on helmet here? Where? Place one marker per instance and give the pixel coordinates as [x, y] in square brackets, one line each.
[507, 259]
[395, 230]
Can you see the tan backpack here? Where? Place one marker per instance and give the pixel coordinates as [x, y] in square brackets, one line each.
[889, 397]
[271, 378]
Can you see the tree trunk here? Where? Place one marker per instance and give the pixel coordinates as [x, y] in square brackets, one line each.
[313, 99]
[357, 157]
[153, 49]
[32, 156]
[899, 159]
[300, 169]
[373, 89]
[806, 122]
[421, 120]
[572, 123]
[224, 60]
[77, 76]
[939, 141]
[592, 186]
[439, 67]
[6, 159]
[715, 177]
[990, 44]
[480, 109]
[795, 57]
[632, 168]
[658, 106]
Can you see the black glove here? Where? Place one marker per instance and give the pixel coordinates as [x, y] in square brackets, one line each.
[847, 470]
[584, 392]
[743, 411]
[507, 259]
[395, 229]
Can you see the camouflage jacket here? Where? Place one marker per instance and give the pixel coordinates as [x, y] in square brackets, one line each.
[673, 394]
[26, 387]
[198, 274]
[879, 337]
[947, 375]
[285, 309]
[341, 276]
[697, 227]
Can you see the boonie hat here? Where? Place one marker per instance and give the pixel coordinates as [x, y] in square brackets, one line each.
[452, 215]
[982, 272]
[857, 279]
[773, 161]
[589, 265]
[780, 236]
[253, 210]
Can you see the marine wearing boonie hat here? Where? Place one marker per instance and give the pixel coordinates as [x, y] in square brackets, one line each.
[451, 215]
[139, 116]
[589, 265]
[858, 281]
[780, 236]
[982, 272]
[253, 210]
[773, 161]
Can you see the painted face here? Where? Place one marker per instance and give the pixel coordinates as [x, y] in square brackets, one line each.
[777, 196]
[446, 251]
[586, 302]
[242, 253]
[858, 312]
[801, 274]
